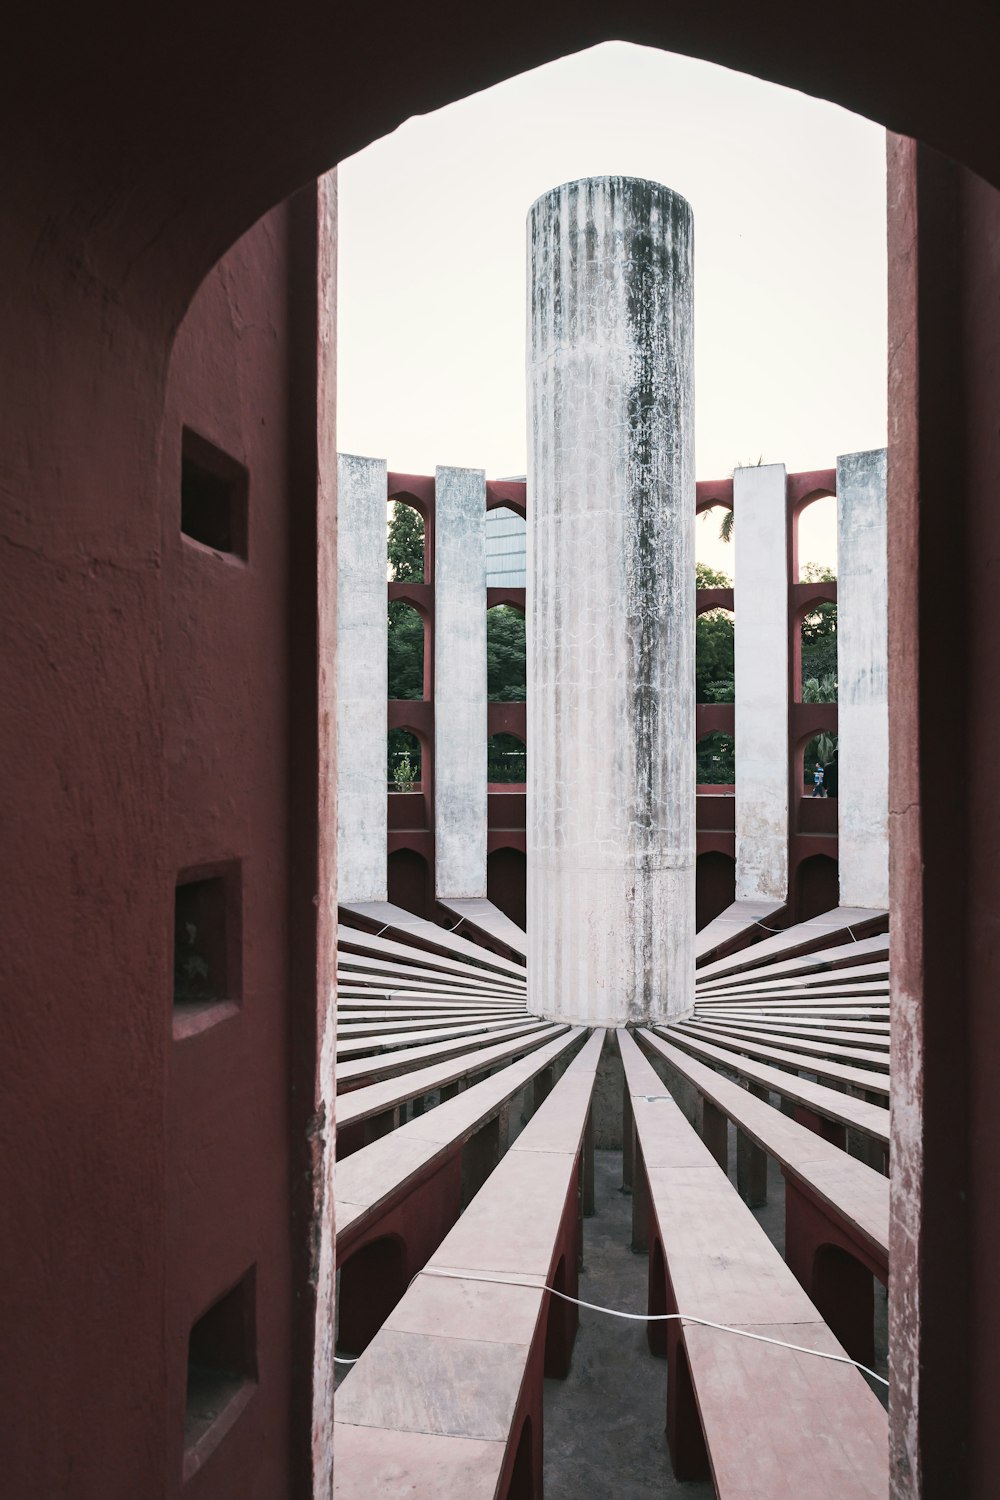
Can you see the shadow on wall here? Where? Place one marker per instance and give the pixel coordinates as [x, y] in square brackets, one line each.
[715, 886]
[507, 883]
[817, 886]
[408, 881]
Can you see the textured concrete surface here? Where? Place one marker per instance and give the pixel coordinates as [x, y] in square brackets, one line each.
[761, 600]
[606, 1106]
[611, 809]
[604, 1424]
[862, 671]
[362, 678]
[460, 681]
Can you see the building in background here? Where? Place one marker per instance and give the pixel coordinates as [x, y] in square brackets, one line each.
[506, 545]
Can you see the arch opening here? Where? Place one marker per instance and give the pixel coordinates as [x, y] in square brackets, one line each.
[506, 760]
[715, 542]
[843, 1289]
[522, 1480]
[404, 761]
[407, 648]
[715, 759]
[408, 881]
[817, 677]
[372, 1281]
[506, 547]
[819, 766]
[506, 655]
[817, 886]
[814, 538]
[507, 883]
[715, 657]
[406, 542]
[715, 886]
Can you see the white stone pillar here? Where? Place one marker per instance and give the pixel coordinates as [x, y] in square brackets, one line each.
[761, 715]
[611, 776]
[862, 673]
[460, 682]
[362, 678]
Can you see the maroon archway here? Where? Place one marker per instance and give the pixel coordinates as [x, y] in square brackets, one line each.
[147, 144]
[506, 882]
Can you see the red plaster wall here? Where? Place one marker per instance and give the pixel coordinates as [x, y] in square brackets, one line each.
[166, 715]
[139, 146]
[225, 743]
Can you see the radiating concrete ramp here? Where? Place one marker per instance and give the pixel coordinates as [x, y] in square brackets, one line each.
[489, 919]
[737, 922]
[386, 917]
[843, 923]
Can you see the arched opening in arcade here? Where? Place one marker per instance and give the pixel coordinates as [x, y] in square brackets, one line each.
[715, 885]
[715, 760]
[407, 559]
[408, 657]
[506, 761]
[819, 767]
[817, 886]
[408, 888]
[715, 654]
[404, 761]
[408, 881]
[506, 654]
[814, 664]
[814, 538]
[506, 882]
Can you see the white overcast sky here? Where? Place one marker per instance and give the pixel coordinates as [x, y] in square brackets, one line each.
[788, 196]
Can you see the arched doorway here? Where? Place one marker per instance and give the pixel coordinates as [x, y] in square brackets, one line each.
[817, 887]
[105, 293]
[506, 760]
[408, 881]
[506, 883]
[715, 888]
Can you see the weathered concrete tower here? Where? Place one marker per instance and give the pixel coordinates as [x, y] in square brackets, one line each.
[611, 596]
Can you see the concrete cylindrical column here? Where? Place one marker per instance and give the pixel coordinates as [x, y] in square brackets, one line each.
[611, 596]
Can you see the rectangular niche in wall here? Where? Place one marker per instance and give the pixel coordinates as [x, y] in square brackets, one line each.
[222, 1370]
[214, 494]
[208, 978]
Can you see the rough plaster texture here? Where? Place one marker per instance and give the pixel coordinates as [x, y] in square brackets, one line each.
[460, 682]
[101, 252]
[611, 801]
[362, 678]
[862, 671]
[761, 715]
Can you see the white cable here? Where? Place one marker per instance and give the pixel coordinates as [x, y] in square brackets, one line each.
[612, 1312]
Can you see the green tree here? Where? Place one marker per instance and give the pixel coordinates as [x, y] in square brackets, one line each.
[506, 655]
[714, 647]
[819, 690]
[819, 752]
[405, 544]
[716, 760]
[506, 759]
[819, 637]
[402, 747]
[710, 578]
[406, 651]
